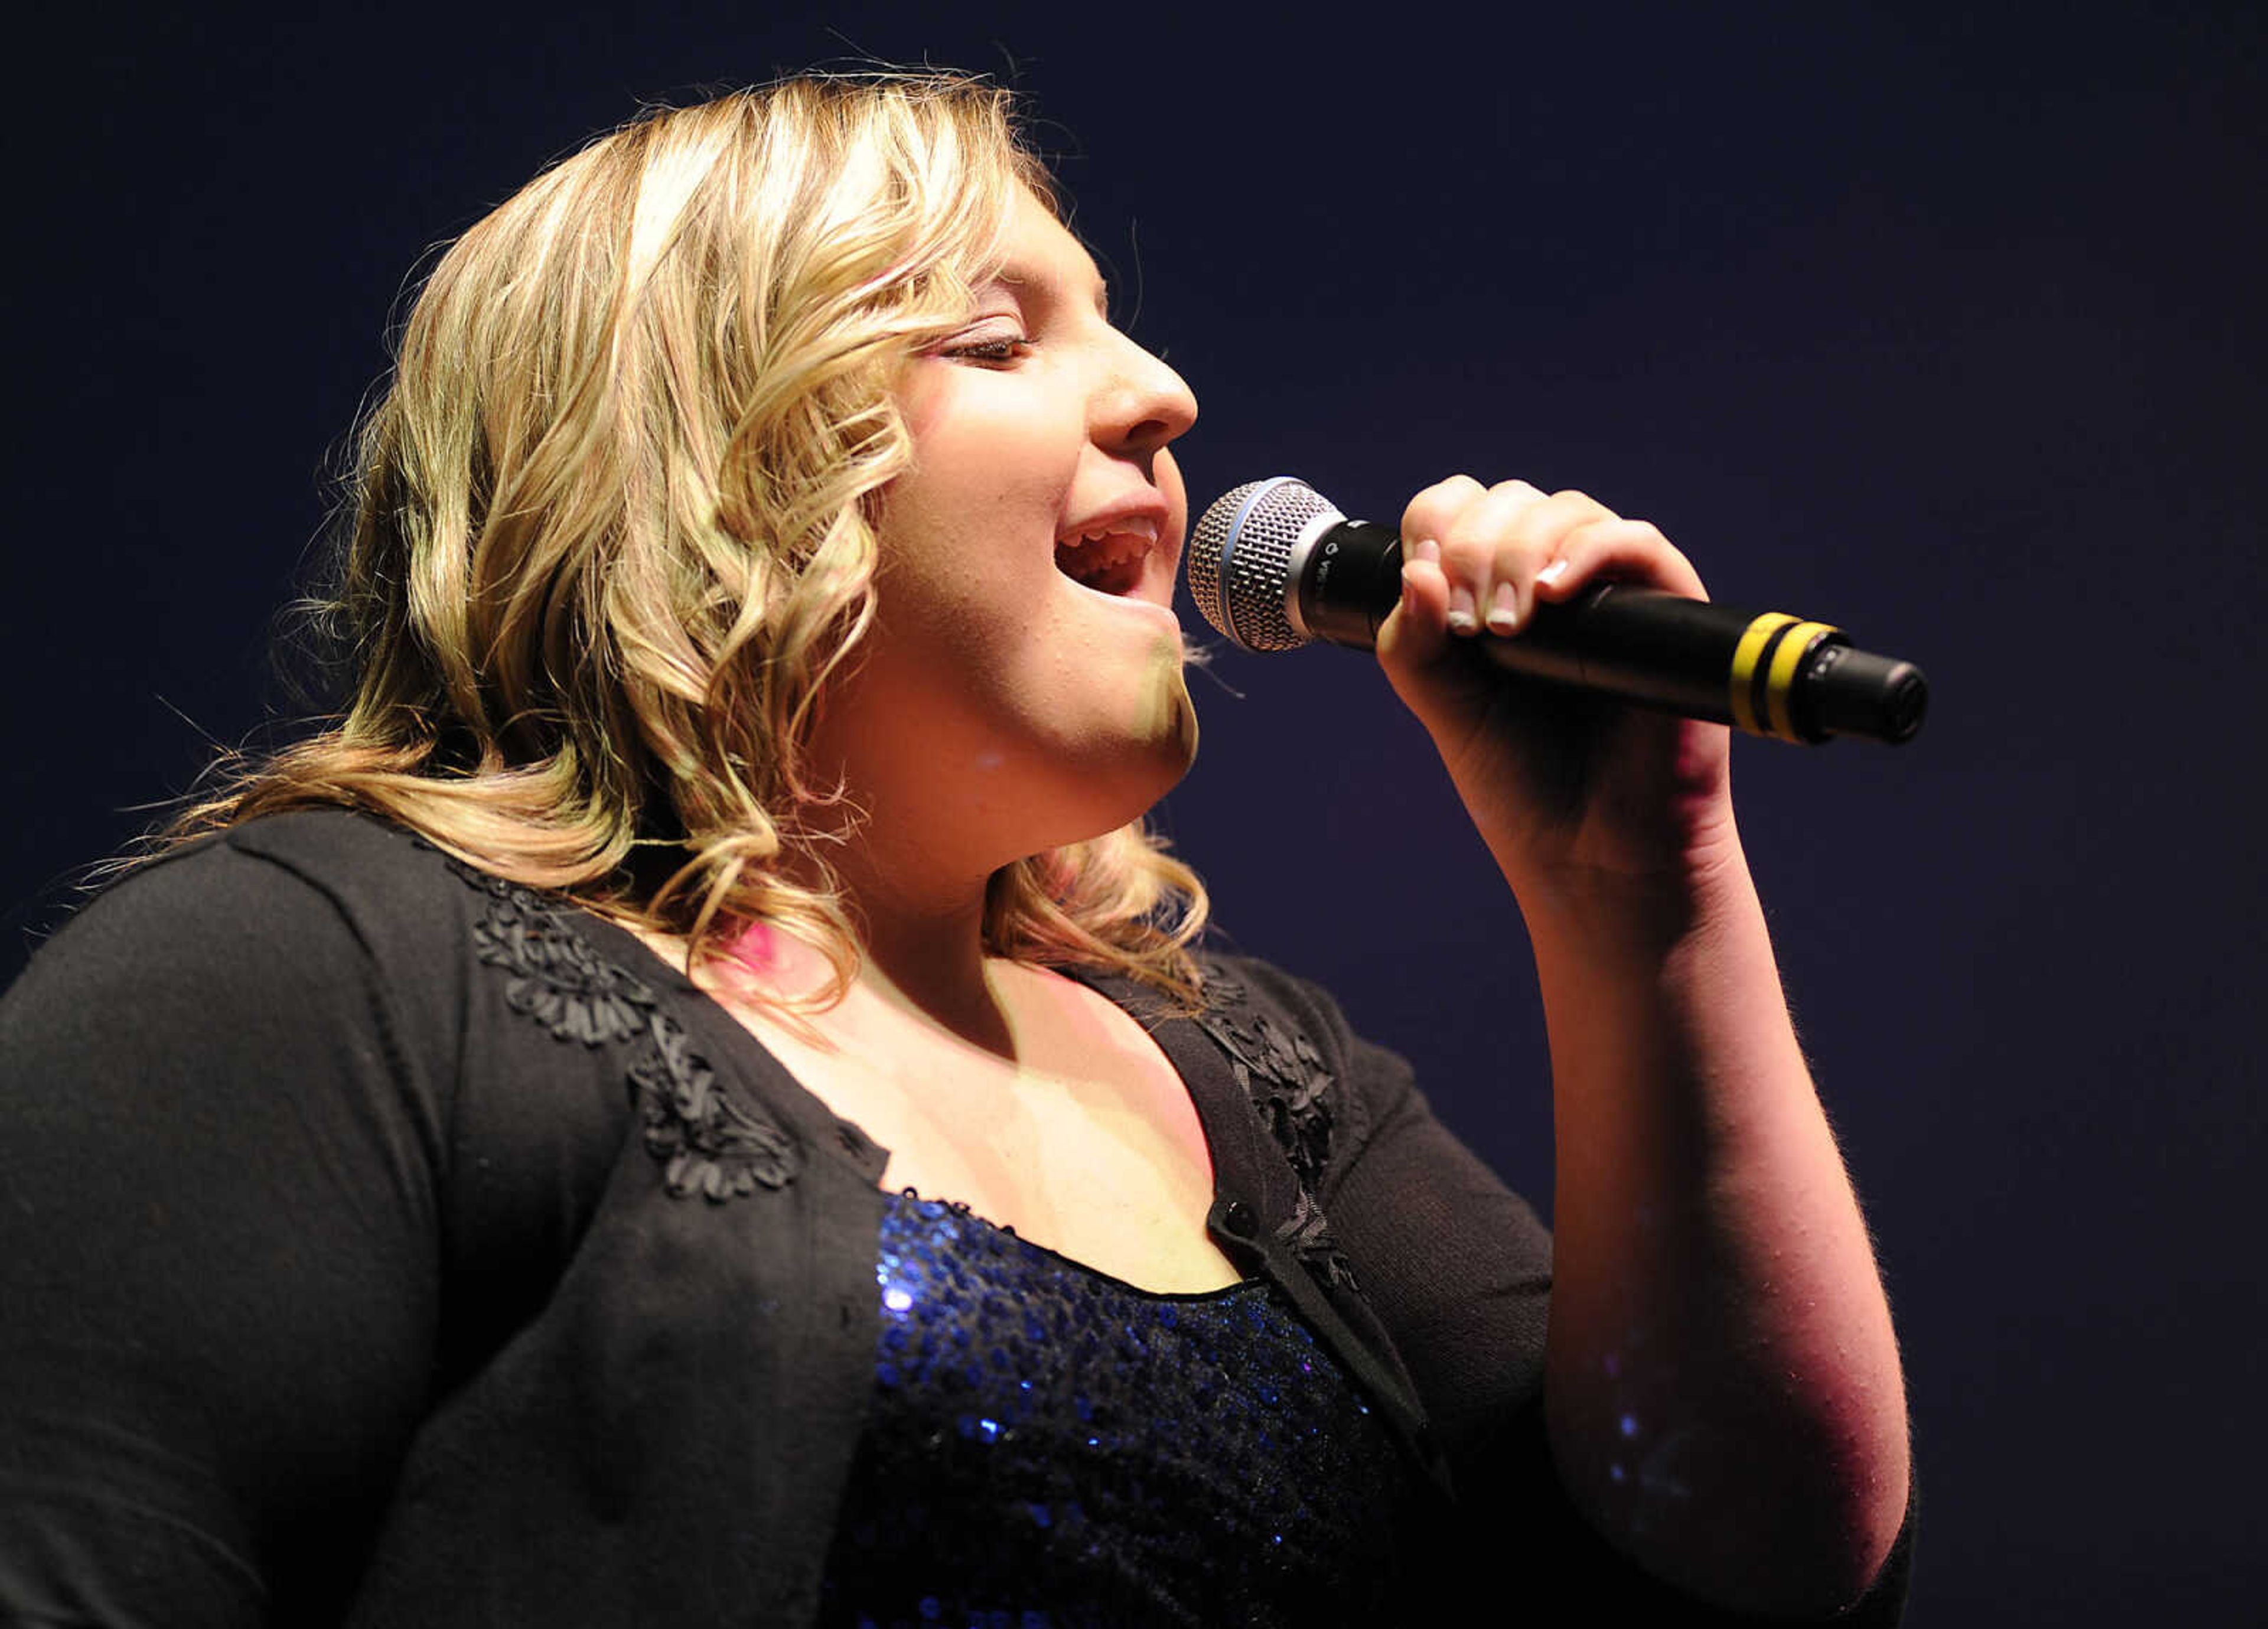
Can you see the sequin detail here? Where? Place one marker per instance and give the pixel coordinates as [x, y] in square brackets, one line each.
[1050, 1445]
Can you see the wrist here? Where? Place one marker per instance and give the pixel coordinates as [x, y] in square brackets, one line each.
[1678, 892]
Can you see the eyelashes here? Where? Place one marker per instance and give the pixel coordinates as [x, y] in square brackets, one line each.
[1001, 340]
[994, 351]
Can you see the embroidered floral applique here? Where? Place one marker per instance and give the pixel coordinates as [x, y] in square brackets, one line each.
[1290, 1088]
[557, 978]
[1279, 1069]
[1308, 1233]
[708, 1142]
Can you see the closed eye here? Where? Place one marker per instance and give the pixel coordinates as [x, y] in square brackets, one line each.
[992, 341]
[991, 352]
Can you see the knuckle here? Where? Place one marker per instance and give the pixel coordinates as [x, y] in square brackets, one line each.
[1436, 507]
[1619, 533]
[1464, 546]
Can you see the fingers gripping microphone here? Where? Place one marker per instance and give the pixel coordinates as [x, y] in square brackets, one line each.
[1274, 565]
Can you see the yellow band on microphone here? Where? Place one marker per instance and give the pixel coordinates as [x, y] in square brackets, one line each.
[1750, 650]
[1796, 644]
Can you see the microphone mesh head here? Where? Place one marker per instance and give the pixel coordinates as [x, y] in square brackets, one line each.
[1239, 560]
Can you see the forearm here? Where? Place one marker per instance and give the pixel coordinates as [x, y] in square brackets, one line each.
[1723, 1389]
[1721, 1383]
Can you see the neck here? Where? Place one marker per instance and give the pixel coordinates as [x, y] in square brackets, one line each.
[934, 964]
[922, 935]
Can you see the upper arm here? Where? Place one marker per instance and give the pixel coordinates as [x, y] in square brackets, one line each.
[217, 1249]
[1458, 1268]
[1456, 1264]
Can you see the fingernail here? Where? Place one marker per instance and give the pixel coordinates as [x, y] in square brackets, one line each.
[1462, 619]
[1425, 549]
[1503, 610]
[1409, 589]
[1553, 572]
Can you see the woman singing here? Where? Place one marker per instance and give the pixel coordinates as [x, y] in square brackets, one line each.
[696, 1100]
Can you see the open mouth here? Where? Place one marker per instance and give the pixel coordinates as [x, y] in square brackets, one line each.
[1111, 562]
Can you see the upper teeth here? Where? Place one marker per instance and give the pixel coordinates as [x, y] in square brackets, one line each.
[1136, 526]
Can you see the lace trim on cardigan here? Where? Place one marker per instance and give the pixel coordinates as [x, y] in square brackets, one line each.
[707, 1140]
[1286, 1078]
[1279, 1069]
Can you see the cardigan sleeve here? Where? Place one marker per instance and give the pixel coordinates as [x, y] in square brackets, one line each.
[218, 1252]
[1458, 1269]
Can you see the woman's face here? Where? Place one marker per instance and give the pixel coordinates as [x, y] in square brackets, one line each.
[1024, 676]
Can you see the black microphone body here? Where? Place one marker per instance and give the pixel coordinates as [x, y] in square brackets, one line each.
[1273, 565]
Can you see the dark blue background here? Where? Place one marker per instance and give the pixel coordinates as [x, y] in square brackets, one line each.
[1946, 330]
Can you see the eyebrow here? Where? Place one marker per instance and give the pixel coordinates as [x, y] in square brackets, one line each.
[1009, 276]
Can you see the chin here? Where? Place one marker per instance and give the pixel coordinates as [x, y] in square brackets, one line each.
[1169, 740]
[1115, 791]
[1169, 721]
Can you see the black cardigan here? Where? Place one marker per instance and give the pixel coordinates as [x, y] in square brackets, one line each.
[388, 1244]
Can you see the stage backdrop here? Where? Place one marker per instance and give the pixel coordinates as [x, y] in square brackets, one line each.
[1949, 331]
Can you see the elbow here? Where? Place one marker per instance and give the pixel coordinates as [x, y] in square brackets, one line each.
[1814, 1562]
[1750, 1521]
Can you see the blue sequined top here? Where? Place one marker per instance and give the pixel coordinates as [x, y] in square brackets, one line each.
[1051, 1446]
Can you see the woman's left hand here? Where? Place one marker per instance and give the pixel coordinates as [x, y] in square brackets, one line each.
[1568, 789]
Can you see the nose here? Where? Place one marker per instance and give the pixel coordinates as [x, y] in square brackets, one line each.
[1144, 404]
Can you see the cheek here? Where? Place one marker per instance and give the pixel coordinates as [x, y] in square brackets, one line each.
[957, 563]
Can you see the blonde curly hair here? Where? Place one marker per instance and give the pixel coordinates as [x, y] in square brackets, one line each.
[613, 526]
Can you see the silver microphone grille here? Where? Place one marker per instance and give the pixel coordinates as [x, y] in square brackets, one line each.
[1240, 561]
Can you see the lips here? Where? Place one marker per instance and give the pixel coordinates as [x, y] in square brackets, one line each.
[1112, 558]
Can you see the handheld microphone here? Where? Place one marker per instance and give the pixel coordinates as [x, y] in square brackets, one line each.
[1274, 565]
